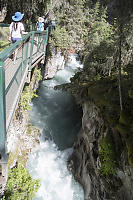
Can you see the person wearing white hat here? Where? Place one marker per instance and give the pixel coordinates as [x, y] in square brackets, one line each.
[40, 24]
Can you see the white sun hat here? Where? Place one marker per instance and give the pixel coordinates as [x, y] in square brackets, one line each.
[40, 19]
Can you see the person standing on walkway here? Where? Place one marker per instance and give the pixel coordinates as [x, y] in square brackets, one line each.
[40, 24]
[16, 30]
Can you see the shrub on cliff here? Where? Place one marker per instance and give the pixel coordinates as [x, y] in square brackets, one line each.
[107, 155]
[20, 185]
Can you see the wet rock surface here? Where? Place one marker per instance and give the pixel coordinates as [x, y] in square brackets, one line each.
[85, 162]
[54, 64]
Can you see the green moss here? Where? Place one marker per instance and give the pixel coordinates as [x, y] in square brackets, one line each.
[15, 156]
[25, 99]
[130, 93]
[22, 159]
[32, 130]
[29, 129]
[123, 130]
[129, 144]
[97, 95]
[37, 74]
[12, 158]
[83, 84]
[111, 119]
[107, 156]
[126, 117]
[21, 152]
[103, 93]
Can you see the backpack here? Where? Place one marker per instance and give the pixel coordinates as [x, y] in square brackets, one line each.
[40, 26]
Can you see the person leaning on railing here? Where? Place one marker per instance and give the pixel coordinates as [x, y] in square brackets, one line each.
[16, 30]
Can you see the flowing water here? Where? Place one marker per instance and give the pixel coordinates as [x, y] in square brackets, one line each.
[58, 117]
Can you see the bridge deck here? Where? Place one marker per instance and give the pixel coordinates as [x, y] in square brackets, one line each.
[15, 74]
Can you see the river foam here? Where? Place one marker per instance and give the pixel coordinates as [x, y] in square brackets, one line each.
[56, 114]
[50, 167]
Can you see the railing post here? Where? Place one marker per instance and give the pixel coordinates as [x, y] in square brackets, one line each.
[26, 54]
[38, 41]
[45, 40]
[3, 154]
[2, 108]
[31, 50]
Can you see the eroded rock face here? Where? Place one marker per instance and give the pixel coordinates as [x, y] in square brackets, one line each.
[54, 64]
[85, 162]
[22, 137]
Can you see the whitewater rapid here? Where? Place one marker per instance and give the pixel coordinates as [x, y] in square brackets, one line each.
[56, 114]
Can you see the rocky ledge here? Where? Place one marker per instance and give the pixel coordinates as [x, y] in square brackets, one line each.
[85, 162]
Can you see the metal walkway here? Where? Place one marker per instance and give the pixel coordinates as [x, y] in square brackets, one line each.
[30, 51]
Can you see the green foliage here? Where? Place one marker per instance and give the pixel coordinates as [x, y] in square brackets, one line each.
[3, 45]
[129, 144]
[60, 38]
[127, 136]
[71, 15]
[123, 130]
[31, 9]
[126, 117]
[100, 40]
[25, 99]
[38, 74]
[130, 93]
[20, 185]
[107, 155]
[101, 31]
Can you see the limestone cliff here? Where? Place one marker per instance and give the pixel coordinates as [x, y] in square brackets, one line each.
[85, 161]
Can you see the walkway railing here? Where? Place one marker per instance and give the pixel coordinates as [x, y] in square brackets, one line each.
[30, 50]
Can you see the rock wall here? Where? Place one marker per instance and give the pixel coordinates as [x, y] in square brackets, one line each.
[85, 161]
[55, 63]
[22, 137]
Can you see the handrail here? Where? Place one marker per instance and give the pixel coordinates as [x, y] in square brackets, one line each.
[31, 49]
[7, 52]
[4, 25]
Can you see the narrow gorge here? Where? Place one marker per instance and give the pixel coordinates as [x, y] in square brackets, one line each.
[71, 136]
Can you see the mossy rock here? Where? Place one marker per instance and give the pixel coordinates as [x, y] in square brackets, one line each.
[15, 157]
[32, 130]
[104, 92]
[107, 155]
[129, 144]
[83, 84]
[12, 158]
[130, 93]
[126, 118]
[123, 130]
[112, 120]
[98, 96]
